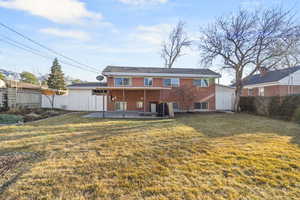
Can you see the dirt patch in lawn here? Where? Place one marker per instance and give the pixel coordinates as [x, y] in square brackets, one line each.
[12, 165]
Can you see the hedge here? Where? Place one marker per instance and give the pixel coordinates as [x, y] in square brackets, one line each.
[287, 107]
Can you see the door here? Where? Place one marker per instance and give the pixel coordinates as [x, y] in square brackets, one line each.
[121, 106]
[153, 107]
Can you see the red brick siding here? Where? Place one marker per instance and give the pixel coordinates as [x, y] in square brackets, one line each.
[274, 90]
[133, 96]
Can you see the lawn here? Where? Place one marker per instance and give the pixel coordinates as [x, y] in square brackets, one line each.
[196, 156]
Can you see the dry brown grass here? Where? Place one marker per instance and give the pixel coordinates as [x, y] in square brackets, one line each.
[208, 156]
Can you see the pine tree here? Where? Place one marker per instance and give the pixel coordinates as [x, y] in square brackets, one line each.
[56, 78]
[55, 81]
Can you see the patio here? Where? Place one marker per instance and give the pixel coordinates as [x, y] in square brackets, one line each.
[125, 115]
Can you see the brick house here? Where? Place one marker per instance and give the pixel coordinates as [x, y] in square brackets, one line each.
[273, 83]
[144, 88]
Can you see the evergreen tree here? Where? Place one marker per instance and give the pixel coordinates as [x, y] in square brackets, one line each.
[56, 77]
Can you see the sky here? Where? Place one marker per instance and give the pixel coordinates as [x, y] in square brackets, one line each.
[98, 33]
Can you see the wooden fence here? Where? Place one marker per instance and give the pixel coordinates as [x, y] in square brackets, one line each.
[20, 98]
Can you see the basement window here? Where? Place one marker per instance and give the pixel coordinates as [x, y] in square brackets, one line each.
[201, 106]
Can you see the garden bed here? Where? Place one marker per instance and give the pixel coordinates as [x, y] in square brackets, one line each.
[28, 115]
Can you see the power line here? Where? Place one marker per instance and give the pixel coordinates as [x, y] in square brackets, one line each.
[33, 51]
[45, 47]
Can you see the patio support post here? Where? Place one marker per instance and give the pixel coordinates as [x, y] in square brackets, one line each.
[103, 105]
[144, 100]
[123, 102]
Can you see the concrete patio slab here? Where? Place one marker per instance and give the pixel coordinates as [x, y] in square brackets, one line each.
[124, 115]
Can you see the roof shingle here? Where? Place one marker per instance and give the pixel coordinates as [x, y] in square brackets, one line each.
[88, 84]
[271, 76]
[198, 71]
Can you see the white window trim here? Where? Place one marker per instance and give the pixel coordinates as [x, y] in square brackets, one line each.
[130, 82]
[171, 82]
[249, 91]
[208, 84]
[121, 102]
[261, 91]
[148, 78]
[202, 109]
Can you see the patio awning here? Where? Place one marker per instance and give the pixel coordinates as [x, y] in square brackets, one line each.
[133, 88]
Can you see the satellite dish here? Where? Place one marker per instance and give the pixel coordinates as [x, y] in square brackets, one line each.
[100, 78]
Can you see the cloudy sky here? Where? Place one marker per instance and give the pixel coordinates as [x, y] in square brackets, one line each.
[107, 32]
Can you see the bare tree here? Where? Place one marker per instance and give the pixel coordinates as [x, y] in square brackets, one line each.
[173, 47]
[249, 41]
[185, 95]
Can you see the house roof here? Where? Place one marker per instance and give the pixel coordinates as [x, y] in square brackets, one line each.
[23, 85]
[158, 70]
[271, 76]
[88, 84]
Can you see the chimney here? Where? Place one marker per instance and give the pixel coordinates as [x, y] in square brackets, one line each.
[263, 71]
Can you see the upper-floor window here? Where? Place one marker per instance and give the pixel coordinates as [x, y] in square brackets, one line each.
[171, 82]
[122, 81]
[148, 81]
[201, 82]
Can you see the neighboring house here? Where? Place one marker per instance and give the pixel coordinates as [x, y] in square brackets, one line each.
[144, 88]
[17, 94]
[80, 97]
[273, 83]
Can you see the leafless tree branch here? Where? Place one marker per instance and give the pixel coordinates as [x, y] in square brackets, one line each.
[172, 48]
[249, 41]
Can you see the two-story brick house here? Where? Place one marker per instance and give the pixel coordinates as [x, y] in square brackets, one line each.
[144, 88]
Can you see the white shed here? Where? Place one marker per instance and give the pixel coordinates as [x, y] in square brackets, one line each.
[225, 97]
[79, 98]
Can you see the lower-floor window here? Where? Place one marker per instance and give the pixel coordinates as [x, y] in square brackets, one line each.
[201, 105]
[121, 105]
[139, 104]
[175, 106]
[250, 92]
[261, 91]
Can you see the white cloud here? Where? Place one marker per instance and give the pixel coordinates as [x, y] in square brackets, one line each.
[142, 2]
[75, 34]
[251, 4]
[154, 35]
[59, 11]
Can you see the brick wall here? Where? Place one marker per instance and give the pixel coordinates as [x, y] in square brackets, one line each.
[187, 89]
[274, 90]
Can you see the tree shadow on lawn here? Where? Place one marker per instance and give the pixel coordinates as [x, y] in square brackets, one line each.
[222, 125]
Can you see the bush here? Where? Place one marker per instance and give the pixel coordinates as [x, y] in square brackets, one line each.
[296, 116]
[10, 119]
[276, 107]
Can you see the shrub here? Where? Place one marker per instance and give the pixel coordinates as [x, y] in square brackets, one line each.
[10, 119]
[247, 104]
[296, 116]
[277, 107]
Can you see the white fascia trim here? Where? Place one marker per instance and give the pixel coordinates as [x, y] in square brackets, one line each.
[261, 85]
[81, 88]
[160, 75]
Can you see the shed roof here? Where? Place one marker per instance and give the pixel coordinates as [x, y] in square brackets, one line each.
[88, 84]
